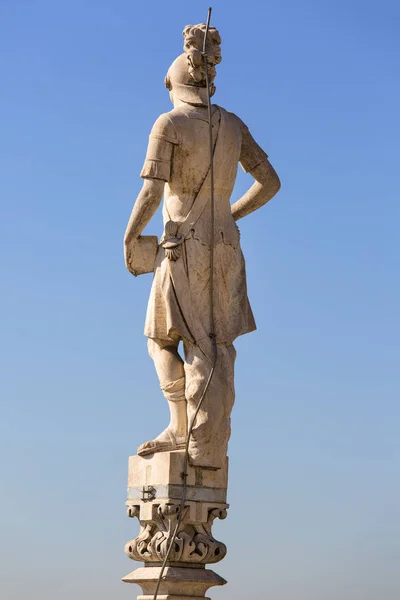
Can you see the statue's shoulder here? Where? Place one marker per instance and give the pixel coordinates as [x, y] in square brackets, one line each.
[234, 119]
[165, 128]
[169, 125]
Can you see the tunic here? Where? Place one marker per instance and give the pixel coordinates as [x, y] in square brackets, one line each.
[178, 153]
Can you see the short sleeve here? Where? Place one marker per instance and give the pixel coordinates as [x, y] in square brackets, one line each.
[251, 154]
[162, 139]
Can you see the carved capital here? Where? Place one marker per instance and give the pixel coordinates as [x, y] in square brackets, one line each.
[193, 544]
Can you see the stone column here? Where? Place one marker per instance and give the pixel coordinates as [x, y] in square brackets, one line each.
[154, 497]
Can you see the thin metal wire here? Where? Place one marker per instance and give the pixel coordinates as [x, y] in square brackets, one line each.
[212, 325]
[184, 474]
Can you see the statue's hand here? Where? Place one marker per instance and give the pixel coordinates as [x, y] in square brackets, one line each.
[128, 256]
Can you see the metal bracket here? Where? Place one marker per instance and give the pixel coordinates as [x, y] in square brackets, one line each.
[148, 492]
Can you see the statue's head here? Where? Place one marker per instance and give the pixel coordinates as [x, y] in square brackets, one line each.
[186, 77]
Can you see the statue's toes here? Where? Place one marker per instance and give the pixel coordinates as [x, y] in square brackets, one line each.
[146, 448]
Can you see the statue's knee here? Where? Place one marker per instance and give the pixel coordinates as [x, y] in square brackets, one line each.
[174, 390]
[194, 389]
[152, 347]
[157, 347]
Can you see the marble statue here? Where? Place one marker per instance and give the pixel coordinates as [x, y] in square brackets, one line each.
[177, 166]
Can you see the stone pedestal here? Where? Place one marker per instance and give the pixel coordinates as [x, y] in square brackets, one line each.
[154, 497]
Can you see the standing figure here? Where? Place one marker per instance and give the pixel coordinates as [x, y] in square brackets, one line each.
[177, 166]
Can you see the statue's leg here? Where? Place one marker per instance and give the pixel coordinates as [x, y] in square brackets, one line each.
[171, 374]
[212, 427]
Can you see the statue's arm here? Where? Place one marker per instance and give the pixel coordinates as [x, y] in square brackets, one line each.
[255, 161]
[156, 171]
[264, 188]
[144, 208]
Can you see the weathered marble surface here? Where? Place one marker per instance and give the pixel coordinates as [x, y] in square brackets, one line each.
[177, 166]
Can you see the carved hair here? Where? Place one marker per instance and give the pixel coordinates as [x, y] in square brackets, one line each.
[193, 47]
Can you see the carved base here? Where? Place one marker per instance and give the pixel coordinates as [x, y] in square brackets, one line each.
[169, 597]
[154, 497]
[178, 583]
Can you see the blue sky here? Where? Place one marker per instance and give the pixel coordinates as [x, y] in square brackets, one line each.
[314, 479]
